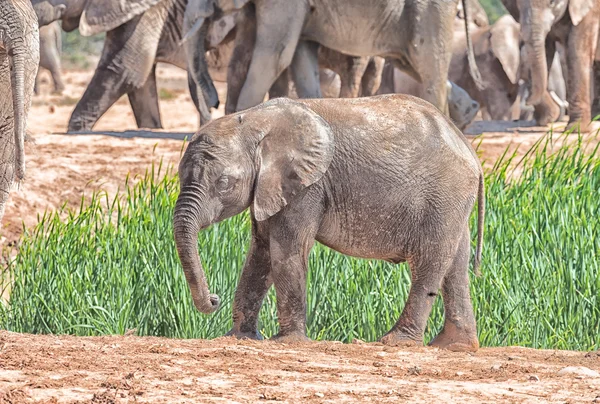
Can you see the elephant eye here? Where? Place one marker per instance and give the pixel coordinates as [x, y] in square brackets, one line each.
[223, 183]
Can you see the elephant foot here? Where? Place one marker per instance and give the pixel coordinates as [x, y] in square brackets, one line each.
[291, 338]
[455, 339]
[58, 91]
[547, 111]
[579, 124]
[400, 339]
[255, 335]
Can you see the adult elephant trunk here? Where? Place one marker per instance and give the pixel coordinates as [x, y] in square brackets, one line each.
[194, 40]
[186, 225]
[16, 48]
[534, 36]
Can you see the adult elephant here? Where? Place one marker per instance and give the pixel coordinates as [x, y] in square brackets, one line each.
[416, 34]
[574, 24]
[19, 59]
[50, 49]
[139, 33]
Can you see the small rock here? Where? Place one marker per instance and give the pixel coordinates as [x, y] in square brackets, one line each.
[534, 378]
[515, 358]
[596, 400]
[459, 373]
[320, 395]
[51, 109]
[496, 368]
[357, 341]
[414, 370]
[578, 371]
[378, 364]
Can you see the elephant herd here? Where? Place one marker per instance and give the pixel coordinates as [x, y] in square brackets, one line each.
[307, 168]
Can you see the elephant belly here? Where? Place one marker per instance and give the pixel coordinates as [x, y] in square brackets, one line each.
[356, 27]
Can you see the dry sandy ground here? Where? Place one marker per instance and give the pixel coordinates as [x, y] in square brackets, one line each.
[63, 168]
[67, 369]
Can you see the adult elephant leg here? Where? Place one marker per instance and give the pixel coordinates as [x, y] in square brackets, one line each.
[596, 103]
[350, 69]
[581, 46]
[127, 60]
[305, 70]
[281, 87]
[371, 80]
[459, 332]
[144, 103]
[241, 57]
[277, 34]
[253, 285]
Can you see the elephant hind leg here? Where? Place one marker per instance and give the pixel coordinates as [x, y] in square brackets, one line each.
[144, 103]
[459, 332]
[427, 271]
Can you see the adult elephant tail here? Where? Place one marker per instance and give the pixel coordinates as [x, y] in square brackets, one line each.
[473, 69]
[480, 222]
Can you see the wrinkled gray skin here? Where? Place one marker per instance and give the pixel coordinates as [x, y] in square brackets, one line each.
[138, 35]
[19, 59]
[557, 87]
[50, 49]
[573, 23]
[497, 54]
[462, 109]
[353, 174]
[417, 35]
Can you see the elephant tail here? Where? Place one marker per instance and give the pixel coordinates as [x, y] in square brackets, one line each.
[480, 221]
[473, 69]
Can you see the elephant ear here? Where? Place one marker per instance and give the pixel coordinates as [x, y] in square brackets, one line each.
[578, 9]
[295, 152]
[105, 15]
[504, 40]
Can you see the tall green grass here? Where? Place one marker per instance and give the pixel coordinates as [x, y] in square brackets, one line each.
[111, 266]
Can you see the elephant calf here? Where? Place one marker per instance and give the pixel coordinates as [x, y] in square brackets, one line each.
[387, 177]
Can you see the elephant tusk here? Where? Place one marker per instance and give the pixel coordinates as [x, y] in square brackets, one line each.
[191, 31]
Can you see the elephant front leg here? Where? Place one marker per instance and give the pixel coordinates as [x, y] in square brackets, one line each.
[581, 48]
[278, 30]
[291, 239]
[144, 103]
[253, 285]
[305, 70]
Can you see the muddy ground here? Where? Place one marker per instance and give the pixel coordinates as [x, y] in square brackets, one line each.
[63, 168]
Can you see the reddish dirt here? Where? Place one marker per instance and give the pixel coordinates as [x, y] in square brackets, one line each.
[50, 369]
[118, 369]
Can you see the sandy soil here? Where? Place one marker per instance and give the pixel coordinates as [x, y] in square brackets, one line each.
[67, 369]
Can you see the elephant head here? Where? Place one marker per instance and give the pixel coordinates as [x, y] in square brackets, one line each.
[262, 158]
[537, 18]
[19, 41]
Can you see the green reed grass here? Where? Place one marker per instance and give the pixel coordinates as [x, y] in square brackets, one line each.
[111, 266]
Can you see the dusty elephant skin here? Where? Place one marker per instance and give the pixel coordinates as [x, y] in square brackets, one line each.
[138, 35]
[353, 174]
[286, 30]
[575, 24]
[50, 49]
[19, 59]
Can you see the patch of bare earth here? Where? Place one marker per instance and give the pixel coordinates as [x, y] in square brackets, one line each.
[117, 369]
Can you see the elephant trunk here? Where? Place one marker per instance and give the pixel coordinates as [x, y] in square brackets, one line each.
[535, 49]
[186, 226]
[194, 41]
[16, 49]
